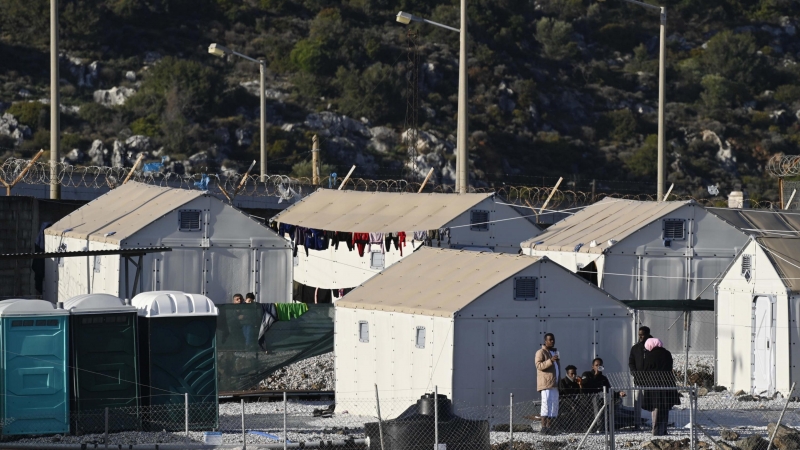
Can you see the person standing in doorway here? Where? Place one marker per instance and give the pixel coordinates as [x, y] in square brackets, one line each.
[636, 365]
[547, 376]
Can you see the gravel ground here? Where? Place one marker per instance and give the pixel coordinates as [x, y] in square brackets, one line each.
[315, 374]
[717, 411]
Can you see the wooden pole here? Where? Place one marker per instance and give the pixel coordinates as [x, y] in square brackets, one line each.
[558, 183]
[425, 181]
[347, 177]
[315, 160]
[244, 178]
[22, 174]
[135, 165]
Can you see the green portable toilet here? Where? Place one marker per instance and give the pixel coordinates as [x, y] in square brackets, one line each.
[33, 341]
[177, 356]
[104, 363]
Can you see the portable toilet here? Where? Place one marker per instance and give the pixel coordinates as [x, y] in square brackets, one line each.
[33, 341]
[104, 363]
[178, 361]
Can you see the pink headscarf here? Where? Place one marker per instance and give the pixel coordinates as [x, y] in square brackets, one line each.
[652, 343]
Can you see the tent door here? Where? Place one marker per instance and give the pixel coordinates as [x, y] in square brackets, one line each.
[763, 345]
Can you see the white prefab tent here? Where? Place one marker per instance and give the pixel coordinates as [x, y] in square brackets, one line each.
[647, 251]
[473, 221]
[470, 324]
[757, 315]
[216, 249]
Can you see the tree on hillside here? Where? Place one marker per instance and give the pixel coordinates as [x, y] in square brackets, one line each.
[556, 38]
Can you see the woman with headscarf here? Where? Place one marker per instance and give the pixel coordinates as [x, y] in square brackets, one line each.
[658, 373]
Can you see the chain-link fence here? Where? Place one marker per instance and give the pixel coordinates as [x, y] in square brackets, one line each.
[620, 415]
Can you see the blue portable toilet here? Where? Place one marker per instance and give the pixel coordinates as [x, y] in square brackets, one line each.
[177, 356]
[33, 365]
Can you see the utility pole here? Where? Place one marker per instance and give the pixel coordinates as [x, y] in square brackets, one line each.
[55, 127]
[262, 125]
[662, 81]
[315, 160]
[462, 153]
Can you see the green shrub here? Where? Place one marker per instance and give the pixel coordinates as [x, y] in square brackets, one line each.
[618, 125]
[788, 93]
[147, 126]
[95, 114]
[556, 38]
[32, 114]
[733, 56]
[309, 56]
[719, 92]
[189, 86]
[644, 161]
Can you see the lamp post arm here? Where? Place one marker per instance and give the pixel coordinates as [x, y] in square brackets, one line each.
[246, 57]
[441, 25]
[645, 5]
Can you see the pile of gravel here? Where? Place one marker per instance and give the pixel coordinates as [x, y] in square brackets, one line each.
[312, 374]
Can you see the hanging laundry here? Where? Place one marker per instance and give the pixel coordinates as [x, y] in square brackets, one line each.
[441, 233]
[401, 237]
[320, 243]
[361, 240]
[347, 238]
[285, 228]
[419, 236]
[376, 239]
[289, 311]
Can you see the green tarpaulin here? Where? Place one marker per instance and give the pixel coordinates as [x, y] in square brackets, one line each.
[243, 363]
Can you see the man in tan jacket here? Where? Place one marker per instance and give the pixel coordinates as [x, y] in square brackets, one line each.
[547, 376]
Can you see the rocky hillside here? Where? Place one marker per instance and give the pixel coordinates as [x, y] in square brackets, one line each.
[557, 87]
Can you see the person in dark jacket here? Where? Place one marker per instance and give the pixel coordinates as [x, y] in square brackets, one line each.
[570, 384]
[658, 373]
[636, 365]
[572, 406]
[636, 358]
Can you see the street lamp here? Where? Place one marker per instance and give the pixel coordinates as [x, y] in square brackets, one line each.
[462, 154]
[221, 51]
[662, 76]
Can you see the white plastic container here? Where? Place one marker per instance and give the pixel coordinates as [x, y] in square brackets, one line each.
[212, 438]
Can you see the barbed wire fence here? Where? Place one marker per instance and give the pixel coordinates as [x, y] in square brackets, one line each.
[29, 172]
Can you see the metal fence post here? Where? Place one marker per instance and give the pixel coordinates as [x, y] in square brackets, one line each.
[436, 417]
[244, 436]
[511, 422]
[105, 438]
[612, 420]
[285, 438]
[605, 406]
[186, 412]
[380, 421]
[780, 418]
[692, 417]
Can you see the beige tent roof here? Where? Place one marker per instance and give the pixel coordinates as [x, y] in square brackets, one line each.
[435, 282]
[377, 212]
[758, 222]
[123, 211]
[783, 252]
[607, 219]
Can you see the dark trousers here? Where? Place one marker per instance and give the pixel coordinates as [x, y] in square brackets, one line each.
[660, 419]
